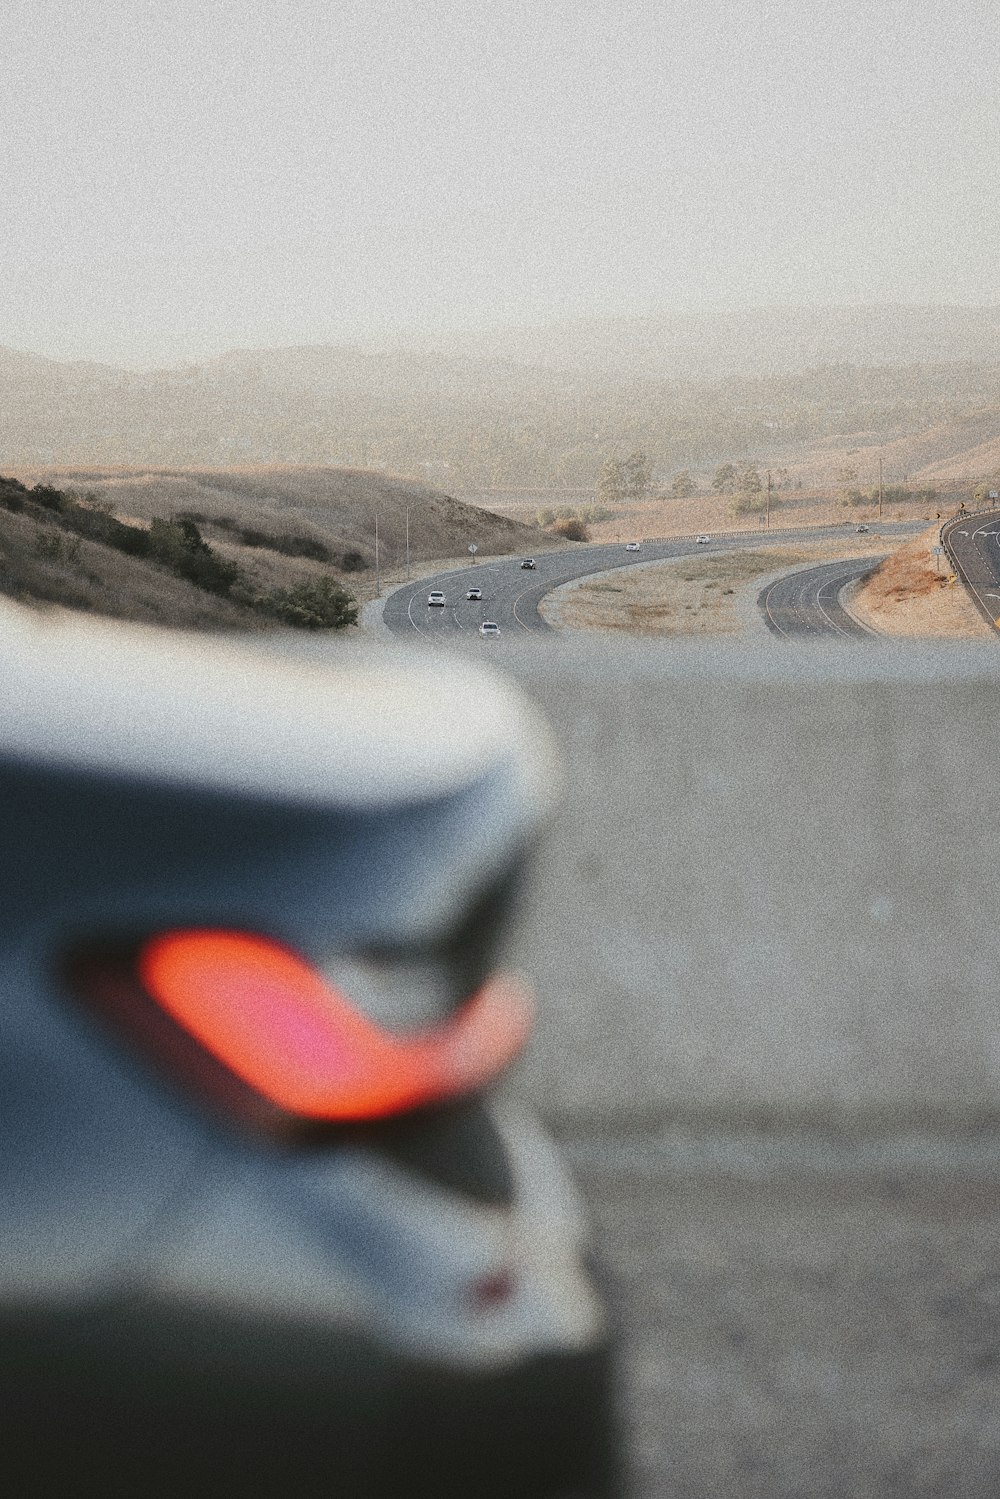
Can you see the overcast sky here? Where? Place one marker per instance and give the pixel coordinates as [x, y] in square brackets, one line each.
[184, 176]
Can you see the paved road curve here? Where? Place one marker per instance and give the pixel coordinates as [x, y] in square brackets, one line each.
[511, 595]
[806, 605]
[973, 542]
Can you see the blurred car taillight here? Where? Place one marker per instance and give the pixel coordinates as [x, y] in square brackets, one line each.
[291, 1037]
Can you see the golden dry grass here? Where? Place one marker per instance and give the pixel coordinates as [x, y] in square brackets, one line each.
[664, 516]
[79, 574]
[911, 596]
[335, 505]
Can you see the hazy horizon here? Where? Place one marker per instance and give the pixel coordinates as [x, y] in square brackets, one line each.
[447, 338]
[182, 180]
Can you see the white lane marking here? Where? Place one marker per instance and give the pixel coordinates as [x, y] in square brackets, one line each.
[409, 615]
[520, 621]
[806, 599]
[769, 611]
[971, 587]
[837, 582]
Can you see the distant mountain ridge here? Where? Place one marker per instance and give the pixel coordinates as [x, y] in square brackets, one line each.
[758, 342]
[541, 407]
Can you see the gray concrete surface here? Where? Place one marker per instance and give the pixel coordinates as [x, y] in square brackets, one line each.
[765, 937]
[772, 884]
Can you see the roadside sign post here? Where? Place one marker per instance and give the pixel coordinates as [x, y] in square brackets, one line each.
[937, 558]
[473, 549]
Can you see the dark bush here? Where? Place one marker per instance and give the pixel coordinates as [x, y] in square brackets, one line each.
[179, 545]
[571, 528]
[99, 526]
[316, 604]
[48, 498]
[291, 544]
[354, 562]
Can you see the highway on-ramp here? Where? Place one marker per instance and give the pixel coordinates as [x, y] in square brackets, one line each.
[511, 594]
[973, 543]
[805, 605]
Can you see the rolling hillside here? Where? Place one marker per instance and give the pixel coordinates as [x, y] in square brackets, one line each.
[238, 549]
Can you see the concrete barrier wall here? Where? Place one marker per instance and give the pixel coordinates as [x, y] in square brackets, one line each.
[772, 889]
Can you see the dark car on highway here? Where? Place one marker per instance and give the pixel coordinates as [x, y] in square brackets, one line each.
[528, 562]
[270, 1220]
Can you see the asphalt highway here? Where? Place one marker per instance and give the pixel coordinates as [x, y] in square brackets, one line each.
[806, 605]
[511, 595]
[973, 543]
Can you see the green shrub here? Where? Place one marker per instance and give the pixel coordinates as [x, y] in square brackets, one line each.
[180, 546]
[315, 604]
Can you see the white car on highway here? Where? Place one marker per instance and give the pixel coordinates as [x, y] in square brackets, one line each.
[435, 599]
[633, 546]
[702, 541]
[473, 593]
[489, 627]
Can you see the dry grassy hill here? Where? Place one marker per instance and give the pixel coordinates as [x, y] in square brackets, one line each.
[335, 506]
[262, 534]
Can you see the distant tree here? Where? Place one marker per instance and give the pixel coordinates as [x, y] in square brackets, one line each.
[638, 471]
[683, 486]
[724, 479]
[749, 480]
[624, 478]
[612, 482]
[545, 516]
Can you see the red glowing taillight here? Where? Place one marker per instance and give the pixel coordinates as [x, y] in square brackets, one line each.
[296, 1041]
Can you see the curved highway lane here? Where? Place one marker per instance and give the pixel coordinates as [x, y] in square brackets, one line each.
[511, 594]
[973, 544]
[806, 604]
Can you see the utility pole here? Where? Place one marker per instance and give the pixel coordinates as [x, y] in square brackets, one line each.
[378, 575]
[880, 488]
[407, 543]
[767, 512]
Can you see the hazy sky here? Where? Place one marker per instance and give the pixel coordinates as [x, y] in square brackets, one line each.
[184, 176]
